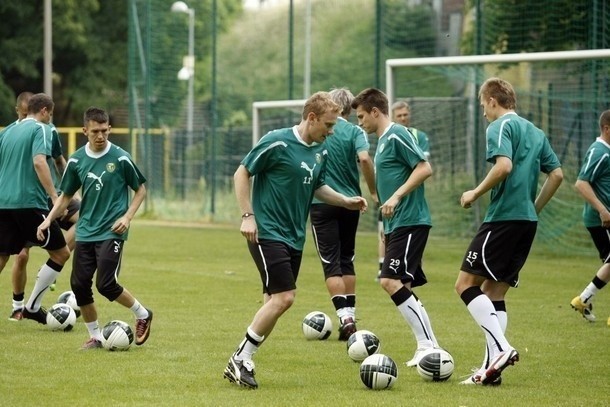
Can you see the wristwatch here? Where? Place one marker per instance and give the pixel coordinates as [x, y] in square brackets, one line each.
[247, 215]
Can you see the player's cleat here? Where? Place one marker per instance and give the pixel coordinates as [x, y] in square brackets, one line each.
[475, 378]
[241, 372]
[347, 328]
[39, 316]
[419, 353]
[498, 364]
[92, 343]
[586, 310]
[143, 328]
[17, 315]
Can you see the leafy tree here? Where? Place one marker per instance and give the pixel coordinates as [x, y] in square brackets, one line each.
[513, 26]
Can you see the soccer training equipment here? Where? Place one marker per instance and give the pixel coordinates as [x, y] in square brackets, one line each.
[347, 328]
[317, 325]
[435, 365]
[378, 372]
[362, 344]
[143, 328]
[61, 317]
[117, 335]
[241, 372]
[68, 297]
[586, 310]
[498, 364]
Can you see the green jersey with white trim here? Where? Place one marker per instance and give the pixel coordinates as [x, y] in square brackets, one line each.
[56, 151]
[104, 179]
[530, 152]
[19, 144]
[396, 156]
[596, 171]
[286, 171]
[343, 147]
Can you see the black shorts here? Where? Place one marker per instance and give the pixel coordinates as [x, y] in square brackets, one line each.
[334, 232]
[18, 230]
[601, 240]
[404, 249]
[277, 263]
[64, 221]
[499, 250]
[103, 257]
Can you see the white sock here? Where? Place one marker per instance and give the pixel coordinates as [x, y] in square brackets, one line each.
[94, 330]
[46, 277]
[426, 319]
[139, 311]
[411, 312]
[343, 313]
[484, 313]
[17, 305]
[588, 293]
[247, 348]
[503, 319]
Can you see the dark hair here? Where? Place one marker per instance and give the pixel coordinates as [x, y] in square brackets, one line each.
[38, 102]
[370, 98]
[95, 114]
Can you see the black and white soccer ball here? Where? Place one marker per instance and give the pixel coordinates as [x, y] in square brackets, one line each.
[378, 372]
[61, 317]
[362, 344]
[68, 297]
[317, 325]
[117, 335]
[436, 365]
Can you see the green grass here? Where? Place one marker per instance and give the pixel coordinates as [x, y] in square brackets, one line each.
[204, 290]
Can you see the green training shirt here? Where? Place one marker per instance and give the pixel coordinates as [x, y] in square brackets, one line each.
[20, 143]
[396, 156]
[530, 152]
[343, 146]
[286, 171]
[104, 179]
[596, 171]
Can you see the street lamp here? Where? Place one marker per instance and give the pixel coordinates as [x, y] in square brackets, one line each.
[188, 66]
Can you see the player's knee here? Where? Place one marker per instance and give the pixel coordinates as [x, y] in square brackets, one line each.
[60, 256]
[284, 300]
[83, 294]
[109, 290]
[22, 258]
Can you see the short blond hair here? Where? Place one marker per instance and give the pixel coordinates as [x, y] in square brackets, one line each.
[320, 103]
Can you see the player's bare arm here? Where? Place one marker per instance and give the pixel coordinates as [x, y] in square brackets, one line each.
[122, 224]
[498, 173]
[421, 172]
[248, 228]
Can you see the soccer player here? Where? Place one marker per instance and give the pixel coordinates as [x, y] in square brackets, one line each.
[104, 172]
[27, 184]
[518, 152]
[57, 164]
[400, 171]
[401, 114]
[334, 228]
[594, 185]
[289, 167]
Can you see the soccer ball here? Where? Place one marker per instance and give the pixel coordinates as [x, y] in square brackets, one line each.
[317, 325]
[378, 372]
[117, 335]
[362, 344]
[61, 317]
[68, 297]
[436, 365]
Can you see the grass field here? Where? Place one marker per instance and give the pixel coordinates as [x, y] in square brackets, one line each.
[204, 290]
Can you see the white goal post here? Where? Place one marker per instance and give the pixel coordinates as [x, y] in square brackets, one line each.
[390, 64]
[257, 106]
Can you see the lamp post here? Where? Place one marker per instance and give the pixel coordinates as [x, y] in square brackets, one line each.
[188, 67]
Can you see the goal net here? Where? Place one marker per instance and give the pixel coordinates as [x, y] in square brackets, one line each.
[563, 93]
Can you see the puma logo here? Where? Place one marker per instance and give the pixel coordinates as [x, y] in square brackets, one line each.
[310, 170]
[95, 177]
